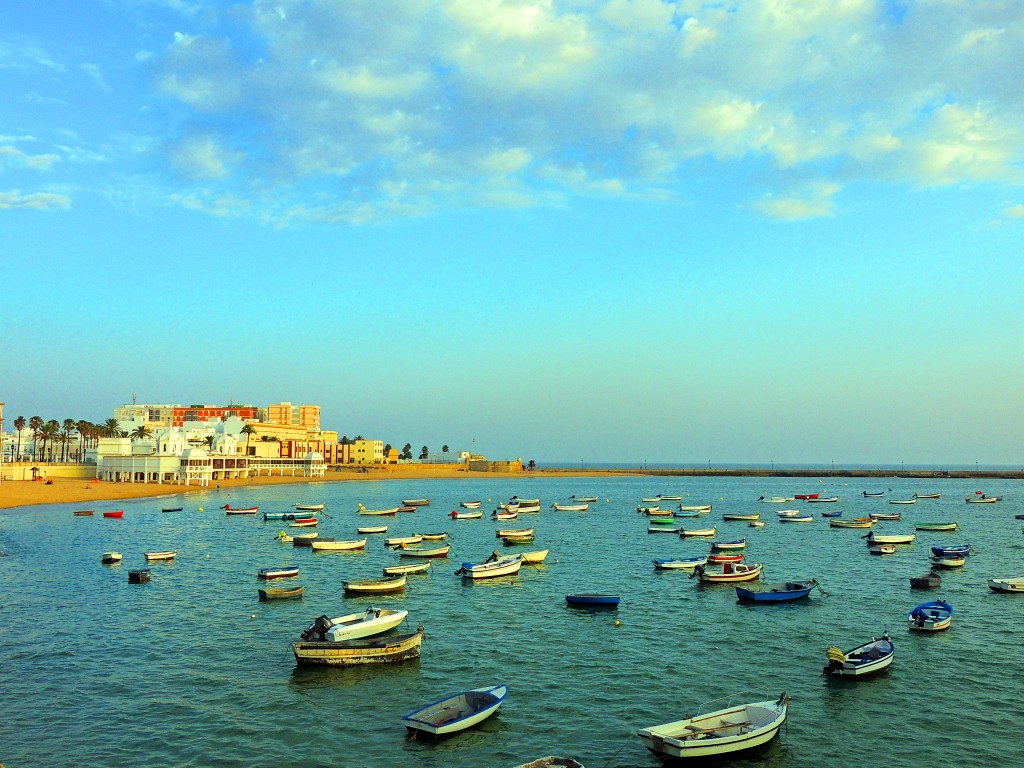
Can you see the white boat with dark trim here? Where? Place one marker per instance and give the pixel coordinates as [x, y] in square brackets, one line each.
[372, 621]
[680, 563]
[698, 531]
[722, 732]
[322, 545]
[727, 573]
[1007, 585]
[890, 538]
[492, 568]
[456, 712]
[571, 507]
[860, 662]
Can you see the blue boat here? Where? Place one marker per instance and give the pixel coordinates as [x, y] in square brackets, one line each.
[283, 516]
[718, 546]
[958, 549]
[931, 617]
[831, 514]
[777, 593]
[602, 601]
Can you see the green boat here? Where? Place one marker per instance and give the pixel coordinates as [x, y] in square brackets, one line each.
[936, 526]
[660, 521]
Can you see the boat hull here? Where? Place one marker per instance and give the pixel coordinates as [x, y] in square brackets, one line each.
[349, 653]
[447, 715]
[593, 601]
[281, 594]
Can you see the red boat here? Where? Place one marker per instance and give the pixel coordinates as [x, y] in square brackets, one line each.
[724, 558]
[805, 496]
[119, 513]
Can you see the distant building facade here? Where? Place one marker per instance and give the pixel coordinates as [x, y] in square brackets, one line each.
[296, 415]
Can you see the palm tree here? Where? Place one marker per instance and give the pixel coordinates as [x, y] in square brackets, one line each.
[84, 428]
[424, 452]
[65, 437]
[209, 442]
[248, 430]
[19, 424]
[35, 423]
[141, 432]
[111, 428]
[49, 432]
[407, 451]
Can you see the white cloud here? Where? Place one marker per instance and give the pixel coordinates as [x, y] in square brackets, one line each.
[1014, 211]
[477, 101]
[37, 200]
[812, 202]
[16, 157]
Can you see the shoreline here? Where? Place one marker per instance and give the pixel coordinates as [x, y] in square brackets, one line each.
[27, 493]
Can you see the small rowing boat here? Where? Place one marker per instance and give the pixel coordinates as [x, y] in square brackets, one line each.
[395, 570]
[860, 662]
[117, 515]
[457, 712]
[679, 563]
[228, 509]
[373, 529]
[936, 526]
[277, 573]
[415, 502]
[426, 552]
[84, 512]
[110, 558]
[728, 572]
[684, 532]
[283, 593]
[169, 554]
[593, 600]
[324, 545]
[930, 617]
[394, 583]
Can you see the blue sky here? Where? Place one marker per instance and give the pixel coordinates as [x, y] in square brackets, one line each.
[610, 231]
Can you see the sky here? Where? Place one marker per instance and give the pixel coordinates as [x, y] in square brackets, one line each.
[735, 232]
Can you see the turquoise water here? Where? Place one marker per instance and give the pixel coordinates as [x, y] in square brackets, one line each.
[190, 669]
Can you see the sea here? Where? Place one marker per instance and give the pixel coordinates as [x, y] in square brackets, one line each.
[190, 669]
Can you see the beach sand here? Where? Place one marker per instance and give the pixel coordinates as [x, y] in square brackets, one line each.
[86, 492]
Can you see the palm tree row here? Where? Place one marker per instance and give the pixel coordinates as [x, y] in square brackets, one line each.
[48, 436]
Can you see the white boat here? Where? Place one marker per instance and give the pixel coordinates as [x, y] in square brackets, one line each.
[684, 532]
[528, 509]
[694, 508]
[722, 732]
[389, 511]
[1007, 585]
[776, 499]
[651, 500]
[571, 507]
[338, 546]
[503, 533]
[882, 549]
[470, 504]
[166, 555]
[789, 513]
[110, 558]
[645, 509]
[311, 507]
[584, 499]
[680, 563]
[823, 500]
[506, 515]
[373, 621]
[983, 499]
[536, 557]
[303, 524]
[395, 570]
[863, 661]
[454, 515]
[948, 561]
[426, 551]
[727, 573]
[391, 583]
[796, 519]
[373, 529]
[492, 568]
[662, 497]
[457, 712]
[661, 529]
[398, 541]
[756, 524]
[521, 502]
[903, 501]
[890, 538]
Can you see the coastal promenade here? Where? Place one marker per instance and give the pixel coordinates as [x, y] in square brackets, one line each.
[66, 490]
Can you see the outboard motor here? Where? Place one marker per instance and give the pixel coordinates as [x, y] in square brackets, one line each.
[318, 629]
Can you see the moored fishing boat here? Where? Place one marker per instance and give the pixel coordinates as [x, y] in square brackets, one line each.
[717, 546]
[373, 529]
[282, 593]
[509, 541]
[534, 558]
[857, 522]
[741, 516]
[229, 510]
[882, 549]
[168, 554]
[721, 732]
[524, 502]
[930, 580]
[796, 519]
[777, 593]
[777, 499]
[789, 513]
[389, 512]
[983, 499]
[394, 570]
[679, 563]
[84, 512]
[684, 532]
[903, 501]
[375, 586]
[591, 600]
[323, 545]
[506, 515]
[277, 573]
[727, 573]
[398, 541]
[955, 549]
[837, 513]
[926, 495]
[426, 551]
[171, 509]
[305, 540]
[805, 496]
[504, 532]
[116, 515]
[109, 558]
[648, 509]
[890, 538]
[756, 524]
[824, 499]
[885, 515]
[372, 621]
[873, 494]
[715, 558]
[592, 499]
[457, 712]
[571, 507]
[936, 526]
[304, 523]
[311, 507]
[454, 515]
[139, 576]
[470, 504]
[660, 529]
[861, 662]
[1007, 585]
[373, 650]
[930, 617]
[494, 567]
[948, 561]
[694, 508]
[415, 502]
[283, 515]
